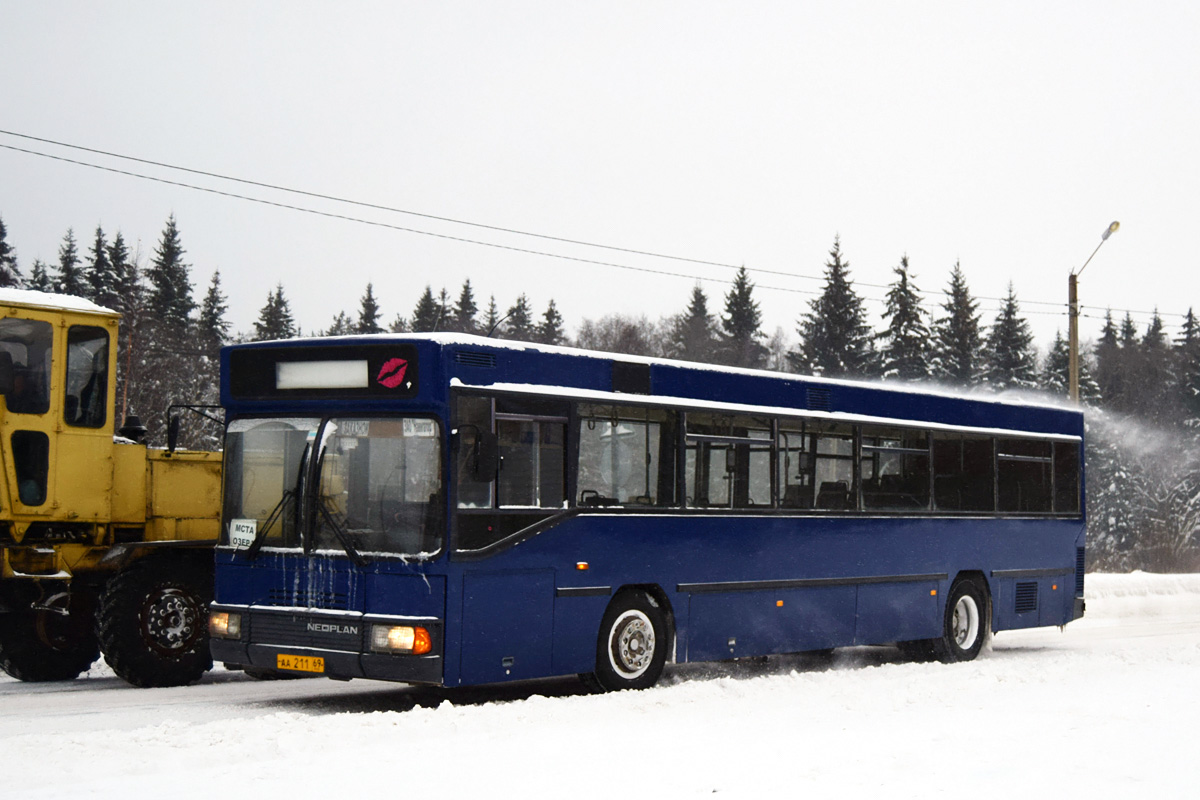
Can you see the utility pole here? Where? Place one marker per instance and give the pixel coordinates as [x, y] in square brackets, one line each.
[1073, 314]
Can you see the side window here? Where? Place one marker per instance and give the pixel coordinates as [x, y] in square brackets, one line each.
[1023, 475]
[531, 444]
[832, 446]
[626, 456]
[728, 461]
[28, 342]
[1066, 477]
[473, 421]
[963, 473]
[31, 462]
[895, 469]
[85, 403]
[796, 482]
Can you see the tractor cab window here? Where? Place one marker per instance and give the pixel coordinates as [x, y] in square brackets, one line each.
[27, 342]
[85, 403]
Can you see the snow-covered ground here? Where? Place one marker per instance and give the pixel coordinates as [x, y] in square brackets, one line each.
[1106, 708]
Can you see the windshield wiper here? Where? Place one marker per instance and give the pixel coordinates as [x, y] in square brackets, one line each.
[261, 536]
[288, 494]
[342, 536]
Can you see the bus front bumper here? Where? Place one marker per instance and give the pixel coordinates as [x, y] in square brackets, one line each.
[303, 642]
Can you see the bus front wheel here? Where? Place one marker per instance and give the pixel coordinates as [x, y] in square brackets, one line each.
[633, 643]
[965, 623]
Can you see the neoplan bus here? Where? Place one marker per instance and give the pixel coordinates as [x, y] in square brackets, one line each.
[453, 510]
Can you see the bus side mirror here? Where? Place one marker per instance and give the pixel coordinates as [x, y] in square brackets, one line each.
[485, 460]
[477, 451]
[173, 434]
[7, 374]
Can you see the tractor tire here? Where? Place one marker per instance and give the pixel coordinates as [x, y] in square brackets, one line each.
[153, 621]
[42, 645]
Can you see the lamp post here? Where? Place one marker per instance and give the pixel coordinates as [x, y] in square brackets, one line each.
[1073, 315]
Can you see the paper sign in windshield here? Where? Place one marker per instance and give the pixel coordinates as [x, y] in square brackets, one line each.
[242, 532]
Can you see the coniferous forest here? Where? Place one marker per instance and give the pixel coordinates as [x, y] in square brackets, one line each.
[1140, 388]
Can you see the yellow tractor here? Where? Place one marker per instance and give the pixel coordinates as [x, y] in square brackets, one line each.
[105, 544]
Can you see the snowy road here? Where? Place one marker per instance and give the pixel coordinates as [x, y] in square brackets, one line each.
[1105, 709]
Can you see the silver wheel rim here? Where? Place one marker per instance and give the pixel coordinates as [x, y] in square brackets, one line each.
[964, 626]
[631, 644]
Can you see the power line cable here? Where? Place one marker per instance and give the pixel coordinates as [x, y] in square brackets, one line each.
[391, 209]
[928, 303]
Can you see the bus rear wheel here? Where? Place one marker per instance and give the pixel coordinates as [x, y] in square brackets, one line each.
[632, 647]
[965, 623]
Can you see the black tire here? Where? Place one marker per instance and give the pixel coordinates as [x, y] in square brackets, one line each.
[43, 645]
[154, 621]
[633, 642]
[918, 650]
[964, 625]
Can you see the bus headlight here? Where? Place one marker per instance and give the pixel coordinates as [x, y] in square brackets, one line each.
[223, 625]
[400, 639]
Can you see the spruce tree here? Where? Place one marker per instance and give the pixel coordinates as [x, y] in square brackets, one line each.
[1110, 372]
[741, 326]
[70, 275]
[10, 274]
[835, 340]
[957, 340]
[905, 351]
[427, 314]
[275, 319]
[368, 313]
[102, 279]
[519, 324]
[170, 299]
[465, 310]
[1011, 360]
[550, 330]
[39, 277]
[400, 325]
[491, 320]
[342, 325]
[1056, 373]
[693, 334]
[1187, 372]
[1154, 376]
[213, 327]
[128, 287]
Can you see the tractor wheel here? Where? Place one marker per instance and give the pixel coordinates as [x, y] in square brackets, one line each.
[52, 643]
[154, 621]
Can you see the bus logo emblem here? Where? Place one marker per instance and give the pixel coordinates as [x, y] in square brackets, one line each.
[391, 374]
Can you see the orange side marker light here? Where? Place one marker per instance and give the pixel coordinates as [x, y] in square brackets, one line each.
[581, 565]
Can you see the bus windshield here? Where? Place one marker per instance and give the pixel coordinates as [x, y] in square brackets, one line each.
[376, 488]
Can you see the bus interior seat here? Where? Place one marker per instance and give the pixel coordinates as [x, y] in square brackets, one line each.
[834, 495]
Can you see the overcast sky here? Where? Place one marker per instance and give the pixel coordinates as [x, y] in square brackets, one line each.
[1005, 136]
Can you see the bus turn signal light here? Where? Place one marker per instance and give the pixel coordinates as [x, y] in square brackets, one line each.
[400, 639]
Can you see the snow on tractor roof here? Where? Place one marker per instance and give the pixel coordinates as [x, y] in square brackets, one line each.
[57, 302]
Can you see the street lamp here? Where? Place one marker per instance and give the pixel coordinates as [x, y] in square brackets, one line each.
[1073, 297]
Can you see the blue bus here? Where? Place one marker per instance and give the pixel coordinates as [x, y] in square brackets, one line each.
[453, 510]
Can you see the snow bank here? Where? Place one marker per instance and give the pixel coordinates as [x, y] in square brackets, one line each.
[1103, 709]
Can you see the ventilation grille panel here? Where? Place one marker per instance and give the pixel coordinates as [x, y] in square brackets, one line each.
[472, 358]
[1027, 597]
[818, 398]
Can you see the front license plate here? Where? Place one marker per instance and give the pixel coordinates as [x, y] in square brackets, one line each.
[300, 663]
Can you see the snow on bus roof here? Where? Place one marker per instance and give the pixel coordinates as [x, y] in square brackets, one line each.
[616, 398]
[57, 302]
[1008, 397]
